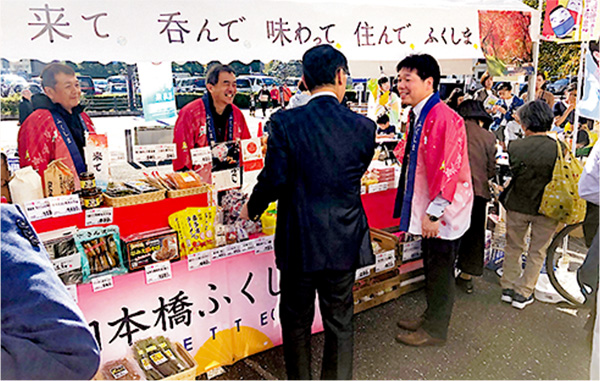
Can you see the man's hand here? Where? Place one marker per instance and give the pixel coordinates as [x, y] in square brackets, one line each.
[244, 213]
[429, 229]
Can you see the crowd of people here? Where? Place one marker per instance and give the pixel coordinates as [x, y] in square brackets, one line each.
[318, 150]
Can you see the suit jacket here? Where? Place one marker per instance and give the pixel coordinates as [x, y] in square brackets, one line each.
[316, 157]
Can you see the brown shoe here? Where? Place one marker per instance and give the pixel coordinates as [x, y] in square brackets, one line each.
[411, 325]
[419, 338]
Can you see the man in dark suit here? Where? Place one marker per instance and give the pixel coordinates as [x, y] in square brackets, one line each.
[316, 157]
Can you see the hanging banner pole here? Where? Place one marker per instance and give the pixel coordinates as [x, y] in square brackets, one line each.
[583, 51]
[536, 55]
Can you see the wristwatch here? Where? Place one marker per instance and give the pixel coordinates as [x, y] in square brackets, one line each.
[433, 218]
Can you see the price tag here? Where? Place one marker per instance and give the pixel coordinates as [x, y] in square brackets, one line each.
[38, 209]
[199, 259]
[234, 249]
[411, 250]
[98, 216]
[147, 152]
[158, 272]
[264, 244]
[363, 272]
[169, 151]
[248, 247]
[363, 189]
[385, 261]
[66, 264]
[220, 252]
[72, 288]
[65, 205]
[378, 187]
[102, 283]
[201, 156]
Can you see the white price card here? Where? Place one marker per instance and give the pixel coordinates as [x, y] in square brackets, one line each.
[72, 288]
[201, 156]
[378, 187]
[98, 216]
[199, 259]
[363, 189]
[147, 152]
[220, 252]
[167, 151]
[65, 205]
[363, 272]
[385, 261]
[234, 249]
[411, 250]
[248, 247]
[38, 209]
[264, 244]
[102, 283]
[158, 272]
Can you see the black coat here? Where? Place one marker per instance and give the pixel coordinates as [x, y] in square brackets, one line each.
[315, 159]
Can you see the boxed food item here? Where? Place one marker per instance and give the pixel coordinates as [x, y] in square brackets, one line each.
[100, 249]
[146, 248]
[159, 358]
[121, 369]
[60, 245]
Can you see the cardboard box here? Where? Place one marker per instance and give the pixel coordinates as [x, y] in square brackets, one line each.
[150, 247]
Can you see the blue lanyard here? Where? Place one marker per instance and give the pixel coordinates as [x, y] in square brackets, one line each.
[210, 124]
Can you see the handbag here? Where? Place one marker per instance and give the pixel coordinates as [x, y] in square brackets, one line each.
[561, 201]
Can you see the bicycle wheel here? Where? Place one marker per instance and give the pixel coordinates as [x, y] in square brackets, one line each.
[565, 255]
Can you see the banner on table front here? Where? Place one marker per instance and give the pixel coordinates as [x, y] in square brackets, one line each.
[571, 20]
[222, 312]
[156, 85]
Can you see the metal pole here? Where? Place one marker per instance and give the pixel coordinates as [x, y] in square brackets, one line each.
[584, 48]
[536, 53]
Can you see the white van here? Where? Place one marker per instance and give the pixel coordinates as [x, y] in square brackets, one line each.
[256, 81]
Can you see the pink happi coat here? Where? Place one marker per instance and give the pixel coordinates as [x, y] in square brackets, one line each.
[443, 167]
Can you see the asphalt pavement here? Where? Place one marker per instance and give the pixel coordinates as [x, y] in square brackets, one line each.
[488, 340]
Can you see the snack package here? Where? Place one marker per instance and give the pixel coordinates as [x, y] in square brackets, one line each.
[195, 228]
[58, 179]
[184, 180]
[156, 362]
[150, 247]
[100, 249]
[140, 186]
[60, 245]
[121, 369]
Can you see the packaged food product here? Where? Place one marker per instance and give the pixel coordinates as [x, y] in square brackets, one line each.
[58, 179]
[100, 249]
[184, 180]
[26, 185]
[159, 358]
[150, 247]
[91, 198]
[60, 245]
[121, 369]
[87, 181]
[140, 186]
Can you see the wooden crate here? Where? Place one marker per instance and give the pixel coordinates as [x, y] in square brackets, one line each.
[372, 291]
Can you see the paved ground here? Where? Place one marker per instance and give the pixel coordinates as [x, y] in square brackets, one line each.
[487, 340]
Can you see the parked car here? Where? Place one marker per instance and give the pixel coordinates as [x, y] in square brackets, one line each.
[244, 85]
[292, 83]
[257, 81]
[190, 85]
[100, 85]
[86, 84]
[117, 84]
[11, 84]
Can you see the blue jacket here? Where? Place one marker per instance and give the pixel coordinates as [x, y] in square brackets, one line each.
[44, 334]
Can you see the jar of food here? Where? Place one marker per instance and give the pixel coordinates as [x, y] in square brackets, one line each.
[92, 198]
[87, 181]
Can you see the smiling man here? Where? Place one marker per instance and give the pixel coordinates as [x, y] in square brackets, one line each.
[435, 194]
[209, 120]
[56, 129]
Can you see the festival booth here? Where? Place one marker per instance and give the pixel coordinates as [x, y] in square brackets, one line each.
[208, 288]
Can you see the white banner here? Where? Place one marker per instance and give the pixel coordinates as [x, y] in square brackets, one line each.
[156, 85]
[244, 30]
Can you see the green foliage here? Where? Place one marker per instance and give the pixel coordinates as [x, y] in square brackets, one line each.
[10, 105]
[283, 70]
[98, 70]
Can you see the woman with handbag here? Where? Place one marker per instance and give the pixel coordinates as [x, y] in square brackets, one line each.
[532, 162]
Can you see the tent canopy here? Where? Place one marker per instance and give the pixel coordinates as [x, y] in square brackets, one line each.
[371, 34]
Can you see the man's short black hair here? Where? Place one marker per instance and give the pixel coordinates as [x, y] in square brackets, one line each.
[321, 64]
[536, 116]
[212, 76]
[425, 65]
[383, 119]
[504, 86]
[49, 73]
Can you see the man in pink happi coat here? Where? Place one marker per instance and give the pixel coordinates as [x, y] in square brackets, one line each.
[435, 194]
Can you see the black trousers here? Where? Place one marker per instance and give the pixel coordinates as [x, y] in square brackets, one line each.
[438, 259]
[472, 243]
[297, 310]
